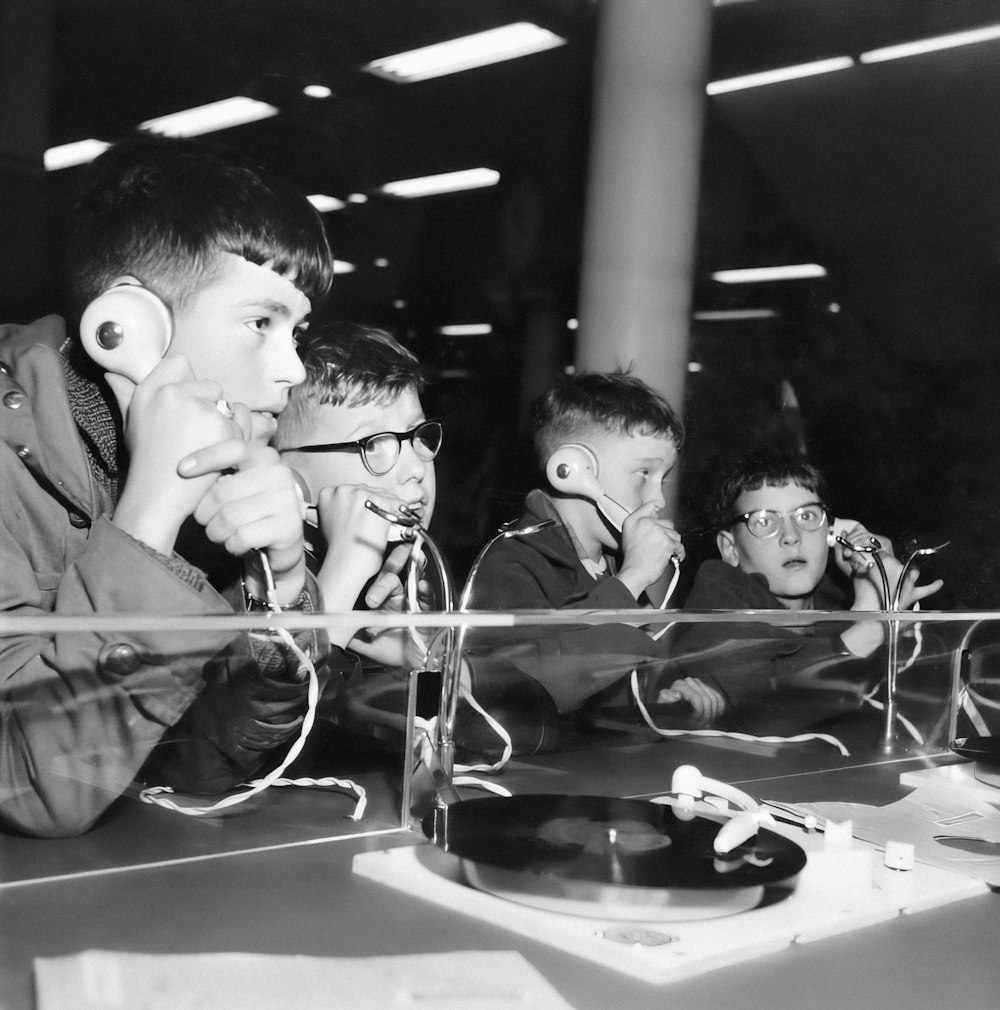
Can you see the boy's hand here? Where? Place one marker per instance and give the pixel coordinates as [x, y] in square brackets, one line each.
[911, 593]
[356, 545]
[707, 704]
[169, 415]
[868, 588]
[253, 506]
[387, 589]
[648, 544]
[855, 563]
[865, 637]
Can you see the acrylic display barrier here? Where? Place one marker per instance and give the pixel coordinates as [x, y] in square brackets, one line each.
[587, 702]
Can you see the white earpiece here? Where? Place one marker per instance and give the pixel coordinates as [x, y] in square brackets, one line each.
[839, 528]
[126, 330]
[572, 469]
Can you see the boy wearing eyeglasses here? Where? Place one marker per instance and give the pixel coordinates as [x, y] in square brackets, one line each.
[355, 432]
[772, 521]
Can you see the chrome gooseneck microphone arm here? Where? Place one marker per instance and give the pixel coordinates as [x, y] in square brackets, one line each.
[454, 638]
[891, 604]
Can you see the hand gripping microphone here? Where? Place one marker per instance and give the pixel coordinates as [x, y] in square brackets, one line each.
[572, 469]
[126, 330]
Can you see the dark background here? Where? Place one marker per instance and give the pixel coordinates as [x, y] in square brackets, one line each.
[886, 174]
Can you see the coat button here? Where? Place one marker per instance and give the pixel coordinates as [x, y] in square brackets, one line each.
[119, 659]
[14, 399]
[79, 520]
[23, 452]
[5, 368]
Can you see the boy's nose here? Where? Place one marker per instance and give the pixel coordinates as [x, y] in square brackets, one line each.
[409, 466]
[790, 532]
[658, 499]
[288, 367]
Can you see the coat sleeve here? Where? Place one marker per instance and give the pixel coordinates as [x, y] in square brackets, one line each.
[250, 711]
[573, 662]
[80, 711]
[776, 680]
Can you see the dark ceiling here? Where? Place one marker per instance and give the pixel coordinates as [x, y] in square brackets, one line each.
[886, 174]
[876, 163]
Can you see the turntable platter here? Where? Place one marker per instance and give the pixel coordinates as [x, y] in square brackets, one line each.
[608, 857]
[985, 749]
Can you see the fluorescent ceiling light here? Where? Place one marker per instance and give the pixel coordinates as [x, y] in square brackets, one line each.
[466, 330]
[987, 34]
[464, 53]
[729, 315]
[447, 182]
[78, 153]
[211, 117]
[342, 267]
[324, 203]
[754, 275]
[780, 74]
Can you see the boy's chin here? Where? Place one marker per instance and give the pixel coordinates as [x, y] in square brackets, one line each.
[262, 427]
[797, 589]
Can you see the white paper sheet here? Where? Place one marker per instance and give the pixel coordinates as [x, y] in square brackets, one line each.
[462, 980]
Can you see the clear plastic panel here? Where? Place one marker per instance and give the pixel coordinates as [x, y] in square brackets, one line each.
[535, 696]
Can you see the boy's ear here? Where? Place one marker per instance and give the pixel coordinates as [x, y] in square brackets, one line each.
[126, 329]
[726, 543]
[572, 469]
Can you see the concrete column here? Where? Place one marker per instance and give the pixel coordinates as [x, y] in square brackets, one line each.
[642, 201]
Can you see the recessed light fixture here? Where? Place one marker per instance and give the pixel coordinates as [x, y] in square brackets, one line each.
[324, 203]
[478, 50]
[756, 275]
[78, 153]
[968, 38]
[209, 118]
[342, 267]
[357, 198]
[779, 74]
[447, 182]
[317, 91]
[733, 315]
[465, 330]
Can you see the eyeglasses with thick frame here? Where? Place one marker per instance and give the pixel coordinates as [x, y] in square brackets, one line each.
[766, 523]
[380, 451]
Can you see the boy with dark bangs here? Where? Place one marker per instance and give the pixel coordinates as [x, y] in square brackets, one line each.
[769, 508]
[144, 485]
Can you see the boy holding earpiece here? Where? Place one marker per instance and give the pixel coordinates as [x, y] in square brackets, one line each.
[356, 431]
[769, 508]
[123, 492]
[606, 442]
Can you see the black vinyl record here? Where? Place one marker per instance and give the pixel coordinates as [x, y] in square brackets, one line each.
[614, 858]
[984, 749]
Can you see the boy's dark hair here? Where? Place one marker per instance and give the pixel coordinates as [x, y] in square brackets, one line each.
[611, 401]
[349, 364]
[766, 464]
[163, 210]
